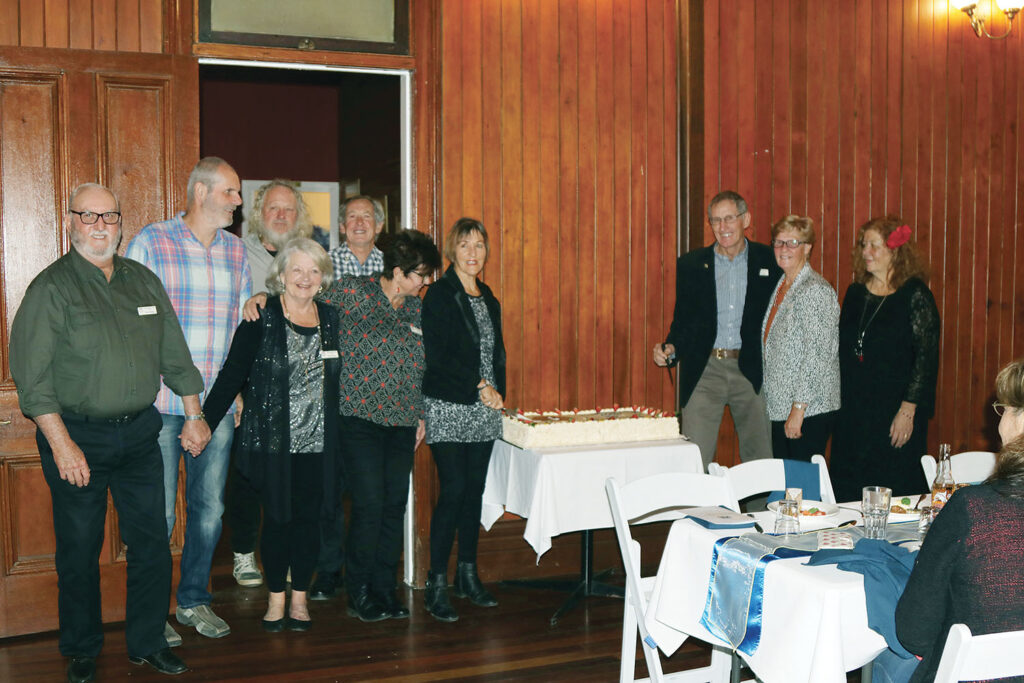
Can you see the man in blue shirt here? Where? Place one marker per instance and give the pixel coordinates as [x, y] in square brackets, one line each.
[722, 292]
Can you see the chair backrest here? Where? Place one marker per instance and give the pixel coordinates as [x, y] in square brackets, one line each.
[967, 657]
[768, 474]
[658, 496]
[968, 467]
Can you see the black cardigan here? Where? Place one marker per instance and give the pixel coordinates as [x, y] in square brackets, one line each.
[451, 341]
[257, 366]
[695, 321]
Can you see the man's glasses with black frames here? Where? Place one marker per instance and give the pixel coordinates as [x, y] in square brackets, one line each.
[90, 218]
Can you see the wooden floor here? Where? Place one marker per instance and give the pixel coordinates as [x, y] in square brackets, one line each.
[512, 642]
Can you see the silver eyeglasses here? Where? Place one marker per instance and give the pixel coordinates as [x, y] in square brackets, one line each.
[729, 220]
[787, 244]
[1000, 408]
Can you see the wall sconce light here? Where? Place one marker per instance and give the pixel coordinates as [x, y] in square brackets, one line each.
[968, 7]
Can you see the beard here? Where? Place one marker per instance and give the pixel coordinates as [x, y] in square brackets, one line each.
[84, 246]
[277, 239]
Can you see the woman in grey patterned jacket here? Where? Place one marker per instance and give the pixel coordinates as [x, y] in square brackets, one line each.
[800, 347]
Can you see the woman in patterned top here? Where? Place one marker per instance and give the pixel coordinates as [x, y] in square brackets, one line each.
[969, 570]
[286, 366]
[381, 413]
[463, 388]
[799, 343]
[889, 362]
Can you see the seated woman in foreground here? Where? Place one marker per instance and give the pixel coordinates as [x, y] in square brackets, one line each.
[969, 569]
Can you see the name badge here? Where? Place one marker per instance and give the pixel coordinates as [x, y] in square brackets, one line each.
[763, 272]
[147, 310]
[416, 330]
[328, 353]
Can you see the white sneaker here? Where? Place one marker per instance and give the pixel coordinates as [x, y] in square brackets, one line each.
[246, 572]
[171, 636]
[206, 622]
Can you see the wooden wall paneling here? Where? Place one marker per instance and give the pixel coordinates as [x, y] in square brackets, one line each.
[781, 108]
[638, 208]
[670, 191]
[835, 248]
[814, 170]
[653, 173]
[80, 29]
[798, 69]
[490, 29]
[730, 93]
[472, 95]
[894, 95]
[587, 143]
[879, 111]
[606, 250]
[760, 100]
[862, 112]
[9, 22]
[151, 29]
[104, 24]
[128, 25]
[451, 114]
[745, 95]
[621, 85]
[566, 273]
[30, 18]
[55, 23]
[137, 167]
[518, 177]
[544, 334]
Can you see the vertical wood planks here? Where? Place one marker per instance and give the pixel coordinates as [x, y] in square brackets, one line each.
[122, 25]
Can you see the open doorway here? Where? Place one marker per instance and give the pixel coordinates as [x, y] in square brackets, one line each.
[314, 124]
[324, 125]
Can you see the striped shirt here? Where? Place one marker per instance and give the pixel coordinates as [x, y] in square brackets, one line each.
[207, 288]
[731, 293]
[346, 263]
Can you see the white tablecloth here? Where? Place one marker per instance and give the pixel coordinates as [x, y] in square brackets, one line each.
[559, 490]
[814, 625]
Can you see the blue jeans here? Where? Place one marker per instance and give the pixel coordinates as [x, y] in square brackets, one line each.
[205, 476]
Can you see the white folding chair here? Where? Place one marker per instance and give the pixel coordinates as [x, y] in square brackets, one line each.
[968, 467]
[966, 657]
[762, 476]
[653, 499]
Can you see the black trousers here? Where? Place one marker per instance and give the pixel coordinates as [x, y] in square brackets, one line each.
[243, 508]
[126, 460]
[461, 471]
[295, 543]
[815, 430]
[377, 462]
[332, 531]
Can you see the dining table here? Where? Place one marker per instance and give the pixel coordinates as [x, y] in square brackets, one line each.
[560, 490]
[813, 622]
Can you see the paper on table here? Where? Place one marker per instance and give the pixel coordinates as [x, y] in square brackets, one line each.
[719, 518]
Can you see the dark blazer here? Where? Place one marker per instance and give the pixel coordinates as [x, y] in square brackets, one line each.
[451, 341]
[695, 320]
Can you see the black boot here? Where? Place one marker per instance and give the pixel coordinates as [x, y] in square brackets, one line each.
[361, 604]
[436, 598]
[467, 585]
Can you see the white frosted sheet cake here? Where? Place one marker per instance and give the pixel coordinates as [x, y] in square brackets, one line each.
[553, 428]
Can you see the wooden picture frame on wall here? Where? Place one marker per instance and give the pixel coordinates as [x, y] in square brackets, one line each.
[375, 26]
[321, 198]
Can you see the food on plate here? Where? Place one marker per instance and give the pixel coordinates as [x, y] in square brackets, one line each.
[813, 512]
[898, 509]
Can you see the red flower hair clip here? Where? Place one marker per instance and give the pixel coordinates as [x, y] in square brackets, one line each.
[898, 237]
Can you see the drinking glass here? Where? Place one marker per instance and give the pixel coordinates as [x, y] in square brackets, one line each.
[875, 506]
[787, 517]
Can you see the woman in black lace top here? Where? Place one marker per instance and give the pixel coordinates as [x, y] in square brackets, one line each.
[889, 360]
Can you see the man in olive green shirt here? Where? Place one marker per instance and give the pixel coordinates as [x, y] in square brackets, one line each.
[89, 344]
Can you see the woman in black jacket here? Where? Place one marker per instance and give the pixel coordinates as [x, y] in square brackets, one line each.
[286, 366]
[463, 385]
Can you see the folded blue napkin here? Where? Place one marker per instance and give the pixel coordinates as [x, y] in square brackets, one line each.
[802, 475]
[886, 568]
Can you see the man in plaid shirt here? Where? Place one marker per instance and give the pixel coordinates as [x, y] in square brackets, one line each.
[206, 275]
[362, 219]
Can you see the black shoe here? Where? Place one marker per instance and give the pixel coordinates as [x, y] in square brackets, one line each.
[325, 587]
[364, 606]
[164, 661]
[275, 626]
[81, 670]
[435, 599]
[294, 624]
[467, 585]
[392, 606]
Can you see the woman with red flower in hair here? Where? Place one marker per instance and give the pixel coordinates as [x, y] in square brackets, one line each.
[889, 361]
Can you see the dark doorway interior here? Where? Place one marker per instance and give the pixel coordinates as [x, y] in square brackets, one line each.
[305, 125]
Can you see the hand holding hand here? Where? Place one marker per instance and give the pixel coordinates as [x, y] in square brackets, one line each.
[194, 436]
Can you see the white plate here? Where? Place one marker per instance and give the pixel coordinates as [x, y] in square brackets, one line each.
[911, 515]
[829, 509]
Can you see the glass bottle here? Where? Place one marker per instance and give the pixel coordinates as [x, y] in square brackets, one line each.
[944, 485]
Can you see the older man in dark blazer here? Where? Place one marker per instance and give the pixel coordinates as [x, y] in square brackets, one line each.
[722, 292]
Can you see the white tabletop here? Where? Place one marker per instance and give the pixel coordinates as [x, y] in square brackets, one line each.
[559, 490]
[814, 625]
